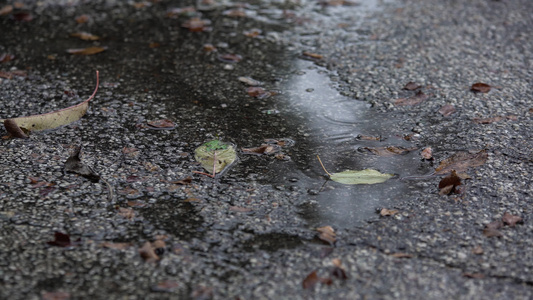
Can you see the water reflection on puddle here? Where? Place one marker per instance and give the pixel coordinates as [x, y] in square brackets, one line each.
[332, 123]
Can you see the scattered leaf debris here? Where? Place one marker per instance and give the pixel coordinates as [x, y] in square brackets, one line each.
[85, 36]
[86, 51]
[264, 149]
[151, 252]
[5, 57]
[82, 19]
[74, 165]
[480, 87]
[493, 119]
[249, 81]
[447, 110]
[491, 229]
[511, 220]
[384, 212]
[62, 240]
[416, 99]
[327, 234]
[258, 92]
[197, 25]
[312, 279]
[368, 138]
[427, 153]
[216, 157]
[163, 124]
[461, 161]
[313, 56]
[230, 58]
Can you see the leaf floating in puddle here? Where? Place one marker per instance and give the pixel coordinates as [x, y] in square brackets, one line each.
[56, 118]
[216, 156]
[367, 176]
[480, 87]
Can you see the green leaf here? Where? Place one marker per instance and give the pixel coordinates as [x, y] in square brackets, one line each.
[216, 156]
[367, 176]
[56, 118]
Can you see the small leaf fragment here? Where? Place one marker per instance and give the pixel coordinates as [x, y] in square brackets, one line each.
[85, 36]
[418, 98]
[427, 153]
[511, 220]
[162, 124]
[480, 87]
[310, 280]
[447, 110]
[13, 129]
[448, 184]
[74, 165]
[461, 161]
[411, 86]
[86, 51]
[327, 234]
[388, 212]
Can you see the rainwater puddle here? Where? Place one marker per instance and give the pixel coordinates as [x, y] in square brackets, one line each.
[333, 125]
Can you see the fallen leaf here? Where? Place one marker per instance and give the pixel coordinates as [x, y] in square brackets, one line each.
[448, 184]
[312, 55]
[367, 176]
[427, 153]
[74, 165]
[253, 33]
[480, 87]
[368, 138]
[85, 36]
[167, 286]
[162, 124]
[337, 270]
[61, 240]
[447, 110]
[185, 181]
[56, 118]
[389, 151]
[86, 51]
[6, 9]
[310, 280]
[491, 229]
[411, 86]
[384, 212]
[10, 74]
[327, 234]
[401, 255]
[477, 250]
[235, 13]
[511, 220]
[5, 57]
[209, 48]
[197, 25]
[265, 149]
[216, 156]
[474, 275]
[127, 213]
[230, 58]
[418, 98]
[258, 92]
[13, 129]
[461, 161]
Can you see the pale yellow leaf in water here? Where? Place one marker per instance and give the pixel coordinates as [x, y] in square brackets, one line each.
[216, 156]
[367, 176]
[56, 118]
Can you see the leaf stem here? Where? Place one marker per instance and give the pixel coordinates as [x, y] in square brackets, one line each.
[320, 161]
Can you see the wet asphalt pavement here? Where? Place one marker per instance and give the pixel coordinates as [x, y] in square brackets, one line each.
[330, 76]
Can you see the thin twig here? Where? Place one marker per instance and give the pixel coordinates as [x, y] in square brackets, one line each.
[320, 161]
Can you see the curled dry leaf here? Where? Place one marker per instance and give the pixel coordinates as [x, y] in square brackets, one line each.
[491, 229]
[13, 129]
[216, 157]
[418, 98]
[56, 118]
[250, 81]
[427, 153]
[448, 184]
[147, 252]
[85, 36]
[384, 212]
[411, 86]
[327, 234]
[312, 279]
[447, 110]
[161, 124]
[230, 58]
[511, 220]
[480, 87]
[86, 51]
[461, 161]
[258, 92]
[389, 151]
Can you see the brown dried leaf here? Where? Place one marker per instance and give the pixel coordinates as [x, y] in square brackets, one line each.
[487, 120]
[10, 74]
[258, 92]
[82, 19]
[368, 138]
[447, 110]
[427, 153]
[461, 161]
[411, 86]
[401, 255]
[310, 281]
[511, 220]
[87, 51]
[117, 246]
[185, 181]
[389, 151]
[388, 212]
[252, 33]
[13, 129]
[489, 232]
[85, 36]
[127, 213]
[60, 240]
[311, 55]
[477, 250]
[327, 234]
[161, 124]
[480, 87]
[418, 98]
[447, 184]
